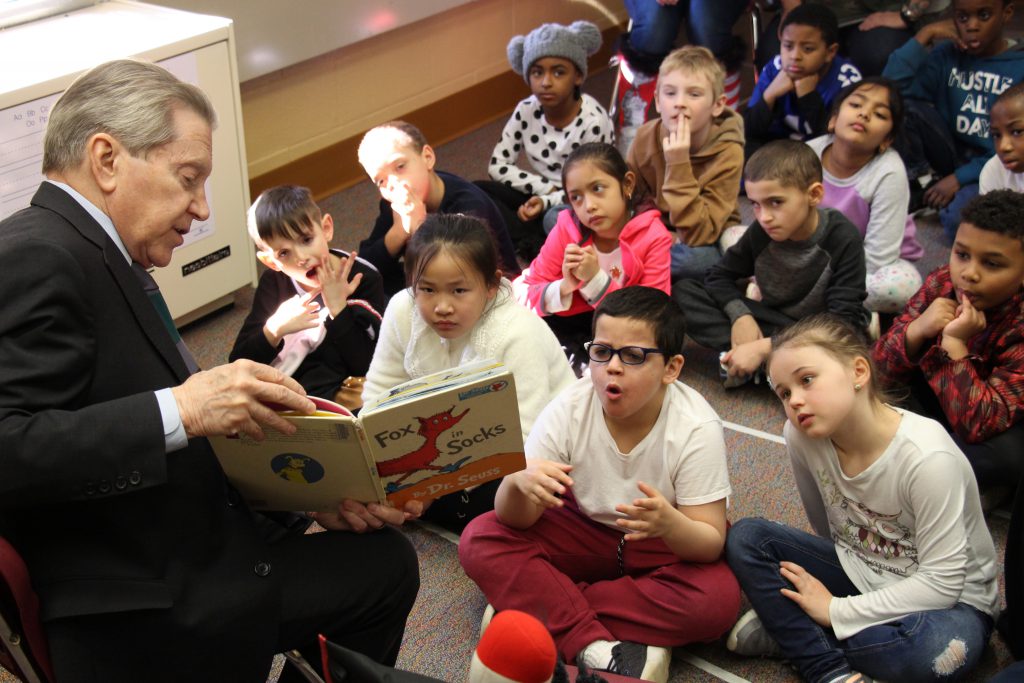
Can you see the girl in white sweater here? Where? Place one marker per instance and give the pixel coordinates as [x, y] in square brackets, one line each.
[459, 309]
[899, 580]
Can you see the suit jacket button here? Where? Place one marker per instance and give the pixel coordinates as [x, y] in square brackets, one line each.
[262, 569]
[120, 483]
[104, 486]
[90, 489]
[135, 478]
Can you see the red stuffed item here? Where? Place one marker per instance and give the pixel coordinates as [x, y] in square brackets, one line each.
[515, 648]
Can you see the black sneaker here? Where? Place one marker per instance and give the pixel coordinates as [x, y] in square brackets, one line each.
[636, 660]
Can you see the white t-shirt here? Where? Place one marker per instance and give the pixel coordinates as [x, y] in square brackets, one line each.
[683, 456]
[995, 176]
[909, 529]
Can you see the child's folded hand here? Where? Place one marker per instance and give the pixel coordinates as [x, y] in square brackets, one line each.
[588, 264]
[543, 481]
[676, 144]
[941, 193]
[934, 319]
[530, 209]
[806, 85]
[968, 322]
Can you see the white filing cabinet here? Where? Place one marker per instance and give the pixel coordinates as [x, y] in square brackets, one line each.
[40, 59]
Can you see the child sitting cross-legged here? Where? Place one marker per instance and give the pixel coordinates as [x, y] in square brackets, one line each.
[806, 260]
[613, 534]
[691, 159]
[899, 580]
[315, 315]
[959, 344]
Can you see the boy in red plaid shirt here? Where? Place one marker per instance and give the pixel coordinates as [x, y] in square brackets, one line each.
[959, 343]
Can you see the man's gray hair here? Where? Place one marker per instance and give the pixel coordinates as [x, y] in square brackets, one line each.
[131, 100]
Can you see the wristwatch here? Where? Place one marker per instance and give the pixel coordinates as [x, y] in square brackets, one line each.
[909, 15]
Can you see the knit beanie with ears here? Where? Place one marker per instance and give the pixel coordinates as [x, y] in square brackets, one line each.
[574, 42]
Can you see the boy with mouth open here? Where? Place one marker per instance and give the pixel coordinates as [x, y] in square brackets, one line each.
[795, 91]
[959, 344]
[315, 312]
[950, 73]
[613, 535]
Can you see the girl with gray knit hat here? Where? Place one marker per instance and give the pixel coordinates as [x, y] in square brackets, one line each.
[546, 127]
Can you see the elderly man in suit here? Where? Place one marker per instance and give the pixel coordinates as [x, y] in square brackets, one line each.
[148, 565]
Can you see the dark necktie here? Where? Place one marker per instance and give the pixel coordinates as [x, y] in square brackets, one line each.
[157, 299]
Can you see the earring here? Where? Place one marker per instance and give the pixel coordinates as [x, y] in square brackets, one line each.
[856, 387]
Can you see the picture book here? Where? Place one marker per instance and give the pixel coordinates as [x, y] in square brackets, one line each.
[425, 438]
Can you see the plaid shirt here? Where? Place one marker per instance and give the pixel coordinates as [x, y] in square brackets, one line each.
[982, 394]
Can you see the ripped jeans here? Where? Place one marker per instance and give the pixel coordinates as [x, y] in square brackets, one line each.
[936, 645]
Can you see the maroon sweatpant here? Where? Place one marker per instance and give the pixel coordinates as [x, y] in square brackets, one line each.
[564, 570]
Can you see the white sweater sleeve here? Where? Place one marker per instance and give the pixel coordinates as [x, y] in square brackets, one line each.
[883, 236]
[934, 490]
[387, 368]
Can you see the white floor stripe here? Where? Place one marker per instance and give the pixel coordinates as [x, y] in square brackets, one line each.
[753, 432]
[708, 667]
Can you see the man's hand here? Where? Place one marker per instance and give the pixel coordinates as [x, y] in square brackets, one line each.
[356, 517]
[232, 399]
[810, 594]
[542, 482]
[883, 20]
[941, 193]
[334, 281]
[676, 144]
[649, 517]
[530, 209]
[293, 315]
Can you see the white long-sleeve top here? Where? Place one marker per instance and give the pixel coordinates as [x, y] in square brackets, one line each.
[909, 530]
[408, 348]
[545, 147]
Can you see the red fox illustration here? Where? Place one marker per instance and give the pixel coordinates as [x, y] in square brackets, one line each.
[430, 429]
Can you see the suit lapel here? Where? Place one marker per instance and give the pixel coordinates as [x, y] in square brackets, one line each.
[53, 198]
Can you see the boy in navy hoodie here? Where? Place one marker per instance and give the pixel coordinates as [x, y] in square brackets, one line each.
[948, 91]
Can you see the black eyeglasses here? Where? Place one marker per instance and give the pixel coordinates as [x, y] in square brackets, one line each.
[629, 355]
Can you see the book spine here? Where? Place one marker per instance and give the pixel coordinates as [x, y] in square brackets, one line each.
[369, 462]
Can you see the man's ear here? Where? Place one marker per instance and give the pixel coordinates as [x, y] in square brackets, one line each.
[327, 227]
[103, 154]
[267, 259]
[672, 369]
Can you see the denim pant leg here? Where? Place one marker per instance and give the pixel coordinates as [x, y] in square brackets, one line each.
[710, 24]
[654, 26]
[754, 548]
[936, 645]
[926, 141]
[690, 263]
[949, 216]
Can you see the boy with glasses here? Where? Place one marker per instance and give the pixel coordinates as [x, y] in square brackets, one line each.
[613, 534]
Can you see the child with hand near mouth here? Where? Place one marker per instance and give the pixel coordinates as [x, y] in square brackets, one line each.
[315, 312]
[794, 93]
[959, 343]
[1005, 171]
[691, 159]
[613, 534]
[950, 73]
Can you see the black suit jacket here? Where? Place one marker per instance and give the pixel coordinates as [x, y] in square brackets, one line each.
[107, 521]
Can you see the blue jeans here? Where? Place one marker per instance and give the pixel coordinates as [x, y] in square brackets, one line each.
[949, 215]
[690, 263]
[710, 24]
[905, 649]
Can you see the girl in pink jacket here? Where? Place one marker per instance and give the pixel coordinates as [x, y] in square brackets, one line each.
[600, 245]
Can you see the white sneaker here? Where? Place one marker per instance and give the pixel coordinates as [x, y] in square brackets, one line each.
[750, 638]
[635, 660]
[486, 620]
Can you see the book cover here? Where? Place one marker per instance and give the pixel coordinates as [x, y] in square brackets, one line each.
[426, 438]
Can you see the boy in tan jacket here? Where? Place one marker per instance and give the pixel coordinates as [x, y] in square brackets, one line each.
[691, 160]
